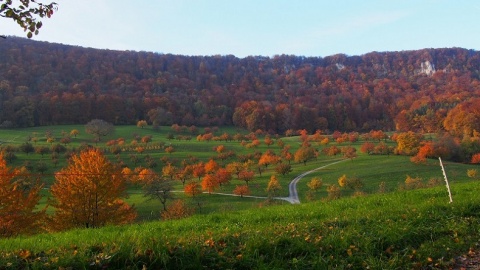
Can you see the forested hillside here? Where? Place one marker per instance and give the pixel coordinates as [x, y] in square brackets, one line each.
[44, 83]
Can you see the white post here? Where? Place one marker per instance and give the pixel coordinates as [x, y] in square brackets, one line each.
[446, 180]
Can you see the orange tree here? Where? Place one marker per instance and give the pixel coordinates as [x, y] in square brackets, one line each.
[209, 183]
[177, 210]
[87, 193]
[192, 189]
[241, 190]
[18, 199]
[304, 154]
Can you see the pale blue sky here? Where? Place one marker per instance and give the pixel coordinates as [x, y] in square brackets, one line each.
[262, 27]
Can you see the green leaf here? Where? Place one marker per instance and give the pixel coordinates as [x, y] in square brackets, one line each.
[29, 35]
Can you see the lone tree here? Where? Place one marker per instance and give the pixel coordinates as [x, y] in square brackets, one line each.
[99, 128]
[87, 193]
[142, 124]
[273, 186]
[26, 13]
[156, 187]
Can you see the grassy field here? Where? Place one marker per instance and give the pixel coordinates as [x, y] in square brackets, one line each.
[372, 170]
[398, 229]
[416, 229]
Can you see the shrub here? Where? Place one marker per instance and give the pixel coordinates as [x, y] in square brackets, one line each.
[177, 210]
[333, 192]
[472, 173]
[413, 182]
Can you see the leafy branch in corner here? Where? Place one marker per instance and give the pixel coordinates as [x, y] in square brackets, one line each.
[27, 14]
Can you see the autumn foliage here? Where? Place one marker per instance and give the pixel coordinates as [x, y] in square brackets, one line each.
[209, 183]
[273, 186]
[176, 210]
[19, 196]
[87, 193]
[242, 190]
[475, 158]
[192, 189]
[280, 94]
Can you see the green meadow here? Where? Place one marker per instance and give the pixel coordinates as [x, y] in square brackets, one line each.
[416, 229]
[392, 170]
[388, 228]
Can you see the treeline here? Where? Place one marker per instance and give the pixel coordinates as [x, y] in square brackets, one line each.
[46, 84]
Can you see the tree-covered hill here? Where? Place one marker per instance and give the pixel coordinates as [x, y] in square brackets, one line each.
[45, 83]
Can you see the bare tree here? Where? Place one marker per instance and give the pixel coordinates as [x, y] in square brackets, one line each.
[99, 128]
[159, 189]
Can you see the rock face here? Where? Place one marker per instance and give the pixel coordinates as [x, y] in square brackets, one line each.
[426, 68]
[340, 66]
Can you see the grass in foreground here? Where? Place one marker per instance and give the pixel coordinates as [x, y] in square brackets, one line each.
[401, 230]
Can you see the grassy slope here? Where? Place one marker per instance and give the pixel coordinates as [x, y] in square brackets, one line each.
[399, 230]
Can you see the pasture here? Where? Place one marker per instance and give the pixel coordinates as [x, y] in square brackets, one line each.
[372, 170]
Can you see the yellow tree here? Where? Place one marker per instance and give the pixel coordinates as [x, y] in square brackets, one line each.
[313, 186]
[169, 171]
[304, 154]
[408, 143]
[273, 186]
[87, 193]
[235, 168]
[342, 181]
[74, 132]
[142, 123]
[18, 200]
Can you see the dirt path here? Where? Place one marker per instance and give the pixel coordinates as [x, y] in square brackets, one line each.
[292, 187]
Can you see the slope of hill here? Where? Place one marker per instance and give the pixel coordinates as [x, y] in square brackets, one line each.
[43, 83]
[402, 230]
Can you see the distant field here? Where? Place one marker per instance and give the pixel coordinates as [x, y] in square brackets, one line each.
[372, 170]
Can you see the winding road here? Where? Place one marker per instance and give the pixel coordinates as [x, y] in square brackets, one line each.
[292, 187]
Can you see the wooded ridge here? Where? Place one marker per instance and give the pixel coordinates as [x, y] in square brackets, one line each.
[45, 84]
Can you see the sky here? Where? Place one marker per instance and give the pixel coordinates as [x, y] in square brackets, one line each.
[261, 27]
